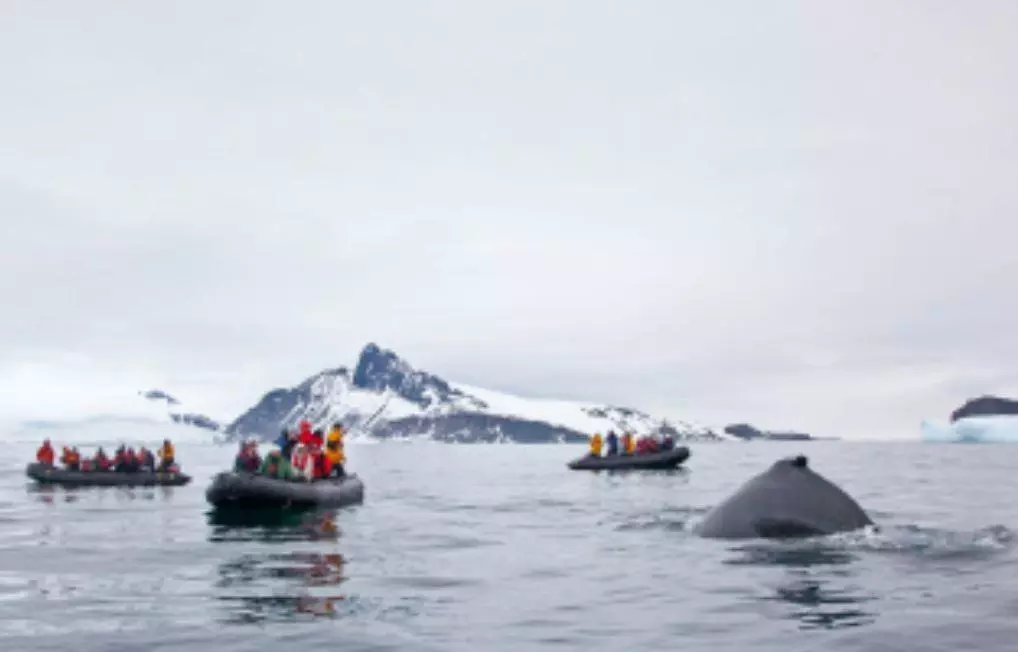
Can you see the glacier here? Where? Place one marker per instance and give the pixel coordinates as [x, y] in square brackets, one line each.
[107, 431]
[978, 429]
[152, 415]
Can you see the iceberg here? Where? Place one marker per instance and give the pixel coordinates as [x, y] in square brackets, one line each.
[987, 429]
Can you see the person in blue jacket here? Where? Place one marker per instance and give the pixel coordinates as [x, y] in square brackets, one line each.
[612, 443]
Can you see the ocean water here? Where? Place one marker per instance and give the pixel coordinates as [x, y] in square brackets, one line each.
[503, 548]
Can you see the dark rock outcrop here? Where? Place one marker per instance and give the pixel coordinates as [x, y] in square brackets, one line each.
[160, 395]
[479, 428]
[986, 406]
[196, 420]
[380, 369]
[183, 418]
[748, 432]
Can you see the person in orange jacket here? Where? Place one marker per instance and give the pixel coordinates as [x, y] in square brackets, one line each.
[71, 459]
[45, 453]
[628, 445]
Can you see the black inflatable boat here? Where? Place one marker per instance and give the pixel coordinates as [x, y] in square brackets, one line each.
[246, 490]
[663, 460]
[45, 474]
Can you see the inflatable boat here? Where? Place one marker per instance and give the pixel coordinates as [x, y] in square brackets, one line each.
[45, 474]
[662, 460]
[247, 490]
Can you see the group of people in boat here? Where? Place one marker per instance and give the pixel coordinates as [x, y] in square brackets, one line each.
[627, 444]
[125, 459]
[301, 455]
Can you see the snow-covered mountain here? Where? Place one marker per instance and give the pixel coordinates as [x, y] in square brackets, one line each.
[151, 414]
[385, 397]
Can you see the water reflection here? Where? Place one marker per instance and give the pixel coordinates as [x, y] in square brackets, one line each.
[815, 583]
[790, 555]
[256, 587]
[819, 604]
[51, 493]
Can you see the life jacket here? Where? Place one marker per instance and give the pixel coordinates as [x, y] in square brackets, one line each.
[166, 452]
[45, 455]
[322, 465]
[334, 451]
[305, 434]
[336, 434]
[300, 458]
[646, 445]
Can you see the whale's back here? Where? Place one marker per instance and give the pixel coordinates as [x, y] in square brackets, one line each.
[787, 500]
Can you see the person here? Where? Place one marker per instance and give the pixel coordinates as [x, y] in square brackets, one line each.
[276, 465]
[100, 462]
[71, 459]
[167, 456]
[247, 459]
[304, 432]
[146, 460]
[132, 463]
[612, 440]
[120, 459]
[301, 460]
[286, 442]
[337, 432]
[628, 445]
[320, 465]
[646, 446]
[595, 445]
[668, 443]
[334, 451]
[45, 453]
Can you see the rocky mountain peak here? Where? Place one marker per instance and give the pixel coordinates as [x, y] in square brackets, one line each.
[380, 369]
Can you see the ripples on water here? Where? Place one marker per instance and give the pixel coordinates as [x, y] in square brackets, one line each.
[501, 547]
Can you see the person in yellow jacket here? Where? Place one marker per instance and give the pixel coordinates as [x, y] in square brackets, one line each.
[166, 455]
[334, 450]
[595, 444]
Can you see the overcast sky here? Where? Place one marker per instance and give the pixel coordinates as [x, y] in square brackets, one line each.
[797, 214]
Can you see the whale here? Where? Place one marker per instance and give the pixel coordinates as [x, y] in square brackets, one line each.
[788, 500]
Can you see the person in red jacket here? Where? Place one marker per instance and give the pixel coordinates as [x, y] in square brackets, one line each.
[120, 459]
[133, 462]
[100, 462]
[45, 453]
[322, 464]
[305, 435]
